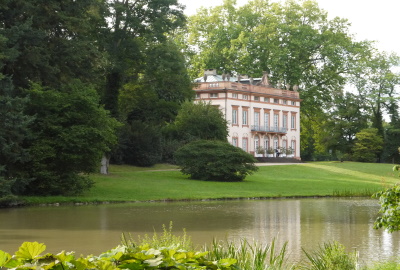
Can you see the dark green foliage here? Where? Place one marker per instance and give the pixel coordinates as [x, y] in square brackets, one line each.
[71, 134]
[14, 133]
[140, 144]
[392, 142]
[166, 73]
[368, 145]
[215, 161]
[50, 42]
[134, 28]
[200, 121]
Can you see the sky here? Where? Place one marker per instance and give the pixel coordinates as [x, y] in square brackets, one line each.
[371, 20]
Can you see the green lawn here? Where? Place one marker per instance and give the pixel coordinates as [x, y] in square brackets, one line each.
[162, 182]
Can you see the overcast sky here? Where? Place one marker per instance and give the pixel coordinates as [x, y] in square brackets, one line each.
[372, 20]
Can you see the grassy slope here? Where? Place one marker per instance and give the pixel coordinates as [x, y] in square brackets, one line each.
[127, 183]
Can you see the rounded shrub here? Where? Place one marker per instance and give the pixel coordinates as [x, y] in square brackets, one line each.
[214, 161]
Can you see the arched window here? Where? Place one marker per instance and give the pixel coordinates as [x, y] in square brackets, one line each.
[293, 145]
[284, 142]
[256, 143]
[266, 142]
[245, 142]
[276, 142]
[235, 139]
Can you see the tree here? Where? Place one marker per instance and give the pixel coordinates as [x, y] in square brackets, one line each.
[201, 121]
[375, 82]
[214, 161]
[340, 124]
[50, 42]
[14, 133]
[71, 133]
[368, 145]
[134, 26]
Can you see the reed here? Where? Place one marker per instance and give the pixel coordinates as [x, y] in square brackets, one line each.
[331, 256]
[251, 256]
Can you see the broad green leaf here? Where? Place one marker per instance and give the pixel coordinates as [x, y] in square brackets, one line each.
[227, 262]
[154, 262]
[65, 257]
[29, 250]
[4, 258]
[105, 265]
[180, 256]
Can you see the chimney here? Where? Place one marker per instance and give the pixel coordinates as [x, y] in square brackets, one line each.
[210, 71]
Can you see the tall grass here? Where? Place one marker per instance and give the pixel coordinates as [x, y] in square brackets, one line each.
[166, 239]
[331, 256]
[251, 256]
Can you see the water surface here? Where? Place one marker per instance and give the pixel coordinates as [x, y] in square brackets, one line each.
[307, 223]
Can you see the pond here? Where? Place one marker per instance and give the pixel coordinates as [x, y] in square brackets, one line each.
[303, 223]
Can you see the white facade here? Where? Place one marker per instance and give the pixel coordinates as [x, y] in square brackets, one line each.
[259, 117]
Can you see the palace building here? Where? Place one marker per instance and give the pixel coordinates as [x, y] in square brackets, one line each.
[263, 120]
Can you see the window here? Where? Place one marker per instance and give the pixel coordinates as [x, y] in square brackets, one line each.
[197, 95]
[276, 100]
[244, 116]
[294, 103]
[284, 102]
[266, 143]
[235, 141]
[256, 119]
[234, 117]
[213, 95]
[244, 144]
[293, 122]
[245, 97]
[276, 121]
[235, 95]
[284, 120]
[256, 98]
[266, 120]
[276, 142]
[293, 146]
[256, 143]
[266, 99]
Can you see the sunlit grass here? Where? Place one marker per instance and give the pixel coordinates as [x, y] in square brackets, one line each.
[165, 182]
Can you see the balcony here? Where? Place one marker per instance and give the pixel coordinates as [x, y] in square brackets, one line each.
[253, 89]
[281, 130]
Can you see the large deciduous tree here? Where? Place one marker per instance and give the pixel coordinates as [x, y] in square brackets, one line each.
[375, 82]
[368, 145]
[71, 133]
[146, 79]
[200, 121]
[50, 42]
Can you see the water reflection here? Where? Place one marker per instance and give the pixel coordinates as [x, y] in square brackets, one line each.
[300, 222]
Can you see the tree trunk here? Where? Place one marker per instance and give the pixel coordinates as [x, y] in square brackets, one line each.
[105, 161]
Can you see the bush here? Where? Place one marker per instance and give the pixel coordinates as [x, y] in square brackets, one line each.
[214, 160]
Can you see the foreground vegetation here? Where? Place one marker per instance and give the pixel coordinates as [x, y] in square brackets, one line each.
[167, 251]
[166, 182]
